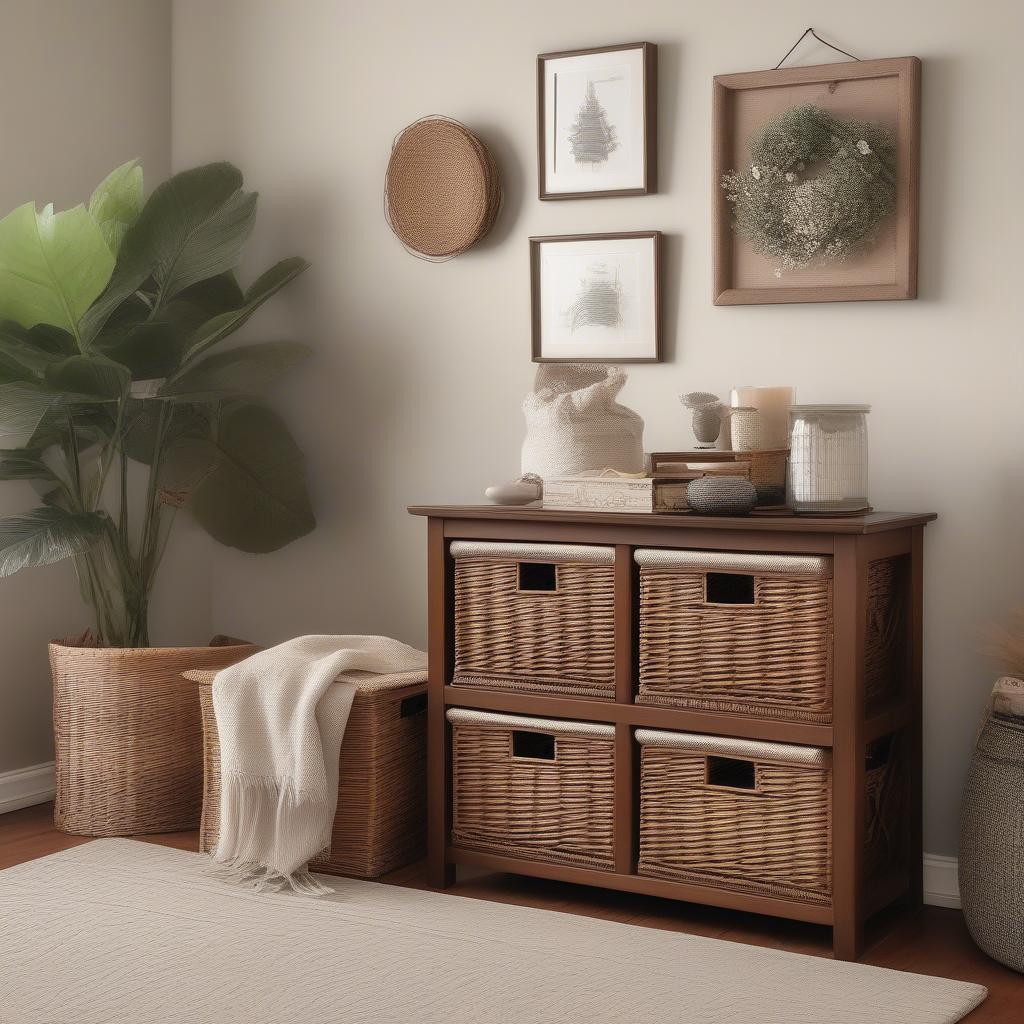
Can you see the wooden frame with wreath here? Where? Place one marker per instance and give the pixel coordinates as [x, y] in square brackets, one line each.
[782, 232]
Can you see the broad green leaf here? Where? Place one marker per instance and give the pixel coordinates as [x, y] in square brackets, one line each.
[52, 266]
[147, 349]
[190, 309]
[266, 285]
[141, 421]
[19, 358]
[93, 425]
[192, 228]
[46, 535]
[252, 491]
[116, 203]
[85, 378]
[22, 464]
[22, 408]
[246, 370]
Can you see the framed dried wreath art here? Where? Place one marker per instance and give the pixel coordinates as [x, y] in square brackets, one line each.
[816, 183]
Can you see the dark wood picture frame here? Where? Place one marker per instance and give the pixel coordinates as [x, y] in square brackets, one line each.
[907, 71]
[650, 113]
[536, 335]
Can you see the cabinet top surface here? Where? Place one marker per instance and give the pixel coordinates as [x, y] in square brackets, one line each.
[873, 522]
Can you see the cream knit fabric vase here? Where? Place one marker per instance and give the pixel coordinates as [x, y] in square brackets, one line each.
[574, 423]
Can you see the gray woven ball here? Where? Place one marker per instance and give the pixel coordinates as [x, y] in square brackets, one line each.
[722, 496]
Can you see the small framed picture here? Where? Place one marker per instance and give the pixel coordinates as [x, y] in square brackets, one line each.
[596, 298]
[597, 122]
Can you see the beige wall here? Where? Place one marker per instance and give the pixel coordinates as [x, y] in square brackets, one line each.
[86, 86]
[415, 391]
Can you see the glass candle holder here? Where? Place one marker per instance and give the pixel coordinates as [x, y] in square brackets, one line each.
[828, 458]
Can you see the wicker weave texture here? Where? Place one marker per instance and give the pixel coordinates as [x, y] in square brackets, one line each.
[442, 191]
[558, 641]
[128, 738]
[380, 823]
[885, 657]
[772, 658]
[775, 840]
[559, 810]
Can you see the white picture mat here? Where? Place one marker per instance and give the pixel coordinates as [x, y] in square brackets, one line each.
[619, 83]
[566, 269]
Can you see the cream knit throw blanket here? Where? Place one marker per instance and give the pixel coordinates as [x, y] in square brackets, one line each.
[280, 723]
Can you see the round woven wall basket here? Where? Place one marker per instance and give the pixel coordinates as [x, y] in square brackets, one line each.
[442, 191]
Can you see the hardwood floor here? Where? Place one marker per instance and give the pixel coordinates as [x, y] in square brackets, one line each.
[932, 941]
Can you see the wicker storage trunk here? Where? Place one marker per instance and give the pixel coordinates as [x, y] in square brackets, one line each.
[754, 816]
[751, 634]
[128, 741]
[533, 787]
[380, 823]
[535, 618]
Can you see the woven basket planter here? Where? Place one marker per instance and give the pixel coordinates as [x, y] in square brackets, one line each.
[380, 823]
[749, 634]
[535, 618]
[753, 816]
[991, 845]
[533, 787]
[128, 738]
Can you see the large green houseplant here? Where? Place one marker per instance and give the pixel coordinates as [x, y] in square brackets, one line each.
[112, 319]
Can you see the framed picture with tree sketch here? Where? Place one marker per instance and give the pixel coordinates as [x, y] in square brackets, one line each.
[596, 298]
[597, 122]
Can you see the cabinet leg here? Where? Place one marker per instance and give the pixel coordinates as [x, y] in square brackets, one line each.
[847, 939]
[440, 876]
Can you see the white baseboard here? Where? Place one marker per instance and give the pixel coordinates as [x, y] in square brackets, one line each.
[24, 787]
[941, 885]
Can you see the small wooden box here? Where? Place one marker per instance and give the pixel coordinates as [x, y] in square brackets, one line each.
[380, 823]
[766, 470]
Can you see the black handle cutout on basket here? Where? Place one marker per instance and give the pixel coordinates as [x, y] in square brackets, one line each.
[414, 705]
[731, 774]
[729, 588]
[538, 746]
[542, 576]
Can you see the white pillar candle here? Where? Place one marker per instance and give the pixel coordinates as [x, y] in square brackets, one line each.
[773, 404]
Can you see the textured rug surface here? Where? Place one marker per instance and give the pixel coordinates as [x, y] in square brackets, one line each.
[121, 932]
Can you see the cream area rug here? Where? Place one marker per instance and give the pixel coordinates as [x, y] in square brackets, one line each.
[121, 932]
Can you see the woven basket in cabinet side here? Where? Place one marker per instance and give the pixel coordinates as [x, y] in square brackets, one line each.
[774, 840]
[772, 658]
[535, 641]
[885, 644]
[128, 738]
[380, 823]
[559, 810]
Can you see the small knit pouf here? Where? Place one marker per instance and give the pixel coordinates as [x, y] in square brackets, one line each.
[722, 496]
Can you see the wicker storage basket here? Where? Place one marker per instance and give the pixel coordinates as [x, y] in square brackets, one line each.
[128, 739]
[754, 816]
[533, 787]
[380, 823]
[723, 631]
[886, 643]
[535, 618]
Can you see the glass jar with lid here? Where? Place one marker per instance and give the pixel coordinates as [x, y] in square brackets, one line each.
[828, 458]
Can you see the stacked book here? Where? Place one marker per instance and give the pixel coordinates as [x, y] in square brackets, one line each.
[608, 490]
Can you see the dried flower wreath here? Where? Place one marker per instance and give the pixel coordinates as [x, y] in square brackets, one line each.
[816, 189]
